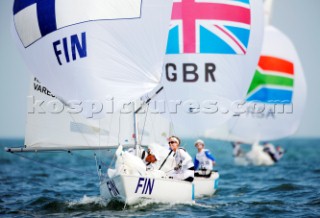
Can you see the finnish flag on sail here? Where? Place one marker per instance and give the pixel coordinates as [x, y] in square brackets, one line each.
[36, 18]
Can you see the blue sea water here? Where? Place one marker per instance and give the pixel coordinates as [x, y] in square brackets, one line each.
[59, 184]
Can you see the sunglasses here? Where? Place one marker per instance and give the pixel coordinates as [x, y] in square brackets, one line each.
[171, 142]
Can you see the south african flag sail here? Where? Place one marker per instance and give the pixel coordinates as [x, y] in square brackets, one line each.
[273, 81]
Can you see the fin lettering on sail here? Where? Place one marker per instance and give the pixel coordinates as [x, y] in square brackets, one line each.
[74, 45]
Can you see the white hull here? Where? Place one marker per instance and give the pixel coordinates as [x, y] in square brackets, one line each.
[256, 156]
[206, 186]
[133, 189]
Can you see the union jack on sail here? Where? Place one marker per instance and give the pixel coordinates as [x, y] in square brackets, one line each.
[209, 26]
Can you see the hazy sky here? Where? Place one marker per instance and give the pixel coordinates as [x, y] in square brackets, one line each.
[298, 19]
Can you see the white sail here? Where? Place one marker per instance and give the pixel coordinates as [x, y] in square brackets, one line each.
[90, 50]
[153, 128]
[213, 49]
[278, 87]
[268, 4]
[52, 125]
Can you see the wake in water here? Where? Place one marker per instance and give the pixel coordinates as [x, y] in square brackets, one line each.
[95, 202]
[99, 202]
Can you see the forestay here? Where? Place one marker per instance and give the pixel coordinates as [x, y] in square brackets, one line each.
[89, 50]
[212, 51]
[278, 87]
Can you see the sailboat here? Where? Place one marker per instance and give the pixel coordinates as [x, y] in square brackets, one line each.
[280, 85]
[275, 99]
[212, 55]
[201, 59]
[108, 54]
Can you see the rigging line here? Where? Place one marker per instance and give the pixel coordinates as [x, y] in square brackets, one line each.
[98, 168]
[234, 124]
[83, 156]
[99, 141]
[114, 155]
[153, 123]
[119, 127]
[110, 125]
[82, 132]
[167, 108]
[144, 123]
[56, 166]
[113, 159]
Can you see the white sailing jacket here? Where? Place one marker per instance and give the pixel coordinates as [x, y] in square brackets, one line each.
[184, 159]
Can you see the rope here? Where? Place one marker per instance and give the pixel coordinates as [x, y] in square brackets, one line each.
[144, 123]
[119, 127]
[56, 166]
[89, 144]
[167, 107]
[99, 174]
[99, 141]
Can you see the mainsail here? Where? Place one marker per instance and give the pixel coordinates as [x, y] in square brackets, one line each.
[212, 51]
[51, 125]
[92, 49]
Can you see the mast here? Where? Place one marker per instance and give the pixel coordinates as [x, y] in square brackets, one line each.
[136, 130]
[135, 123]
[268, 11]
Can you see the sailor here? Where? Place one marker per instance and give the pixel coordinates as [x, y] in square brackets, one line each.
[270, 149]
[150, 159]
[204, 161]
[184, 169]
[237, 151]
[280, 151]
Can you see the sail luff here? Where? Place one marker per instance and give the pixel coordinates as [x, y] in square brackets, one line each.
[268, 4]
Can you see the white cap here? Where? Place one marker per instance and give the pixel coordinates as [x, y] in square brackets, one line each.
[199, 141]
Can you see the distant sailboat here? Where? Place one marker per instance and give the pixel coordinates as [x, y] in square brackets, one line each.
[275, 99]
[117, 54]
[279, 87]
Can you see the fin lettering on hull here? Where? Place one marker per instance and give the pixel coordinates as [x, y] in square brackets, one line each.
[112, 188]
[145, 185]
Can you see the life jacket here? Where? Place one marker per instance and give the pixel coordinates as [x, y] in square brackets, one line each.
[204, 161]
